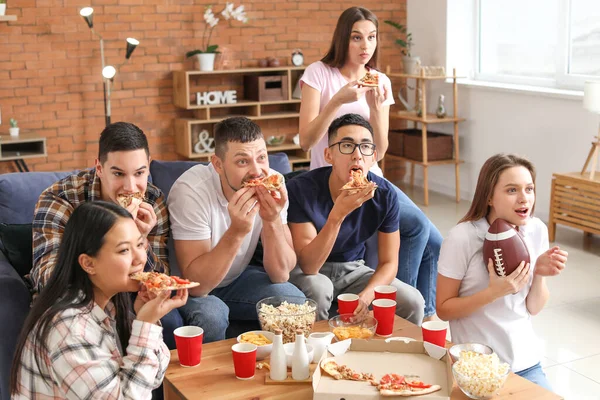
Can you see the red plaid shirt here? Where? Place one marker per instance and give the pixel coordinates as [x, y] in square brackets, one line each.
[84, 360]
[54, 208]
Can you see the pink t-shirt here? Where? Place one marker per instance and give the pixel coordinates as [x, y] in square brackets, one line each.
[328, 81]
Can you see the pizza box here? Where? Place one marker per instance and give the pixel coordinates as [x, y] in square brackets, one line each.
[431, 363]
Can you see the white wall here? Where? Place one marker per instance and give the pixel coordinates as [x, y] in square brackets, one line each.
[553, 132]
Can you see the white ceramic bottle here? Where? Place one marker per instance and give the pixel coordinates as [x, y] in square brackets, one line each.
[300, 370]
[278, 361]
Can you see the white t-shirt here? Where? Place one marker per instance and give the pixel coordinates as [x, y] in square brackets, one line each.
[328, 81]
[505, 324]
[198, 211]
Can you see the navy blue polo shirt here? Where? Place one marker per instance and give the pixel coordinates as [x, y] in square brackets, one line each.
[310, 201]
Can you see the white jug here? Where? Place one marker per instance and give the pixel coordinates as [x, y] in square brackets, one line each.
[319, 341]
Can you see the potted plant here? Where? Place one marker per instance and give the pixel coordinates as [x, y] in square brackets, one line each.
[411, 64]
[14, 128]
[206, 55]
[2, 7]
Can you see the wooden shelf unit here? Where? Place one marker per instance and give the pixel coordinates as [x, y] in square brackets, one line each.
[187, 83]
[424, 121]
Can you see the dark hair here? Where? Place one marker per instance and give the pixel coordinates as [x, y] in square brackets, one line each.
[69, 285]
[234, 129]
[345, 120]
[488, 178]
[338, 52]
[121, 136]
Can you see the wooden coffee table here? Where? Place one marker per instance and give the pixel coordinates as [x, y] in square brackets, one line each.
[214, 377]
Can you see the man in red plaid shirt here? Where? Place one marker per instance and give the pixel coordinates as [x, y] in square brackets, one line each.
[122, 167]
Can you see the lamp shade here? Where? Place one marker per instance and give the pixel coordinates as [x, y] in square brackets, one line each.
[88, 15]
[131, 45]
[109, 72]
[591, 96]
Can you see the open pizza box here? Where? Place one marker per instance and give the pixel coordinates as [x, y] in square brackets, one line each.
[431, 363]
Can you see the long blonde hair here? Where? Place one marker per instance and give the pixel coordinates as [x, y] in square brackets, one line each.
[488, 178]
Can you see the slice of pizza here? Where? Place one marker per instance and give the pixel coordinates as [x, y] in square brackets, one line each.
[156, 281]
[344, 372]
[125, 200]
[370, 79]
[357, 183]
[272, 183]
[404, 386]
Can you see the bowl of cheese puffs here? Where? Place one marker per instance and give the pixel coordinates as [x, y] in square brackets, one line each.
[262, 339]
[349, 326]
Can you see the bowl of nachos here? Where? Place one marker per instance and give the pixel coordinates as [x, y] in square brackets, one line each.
[347, 326]
[262, 339]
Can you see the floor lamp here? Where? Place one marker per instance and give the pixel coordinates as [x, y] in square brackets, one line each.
[108, 71]
[591, 102]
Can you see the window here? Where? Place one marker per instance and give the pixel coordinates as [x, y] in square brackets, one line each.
[553, 43]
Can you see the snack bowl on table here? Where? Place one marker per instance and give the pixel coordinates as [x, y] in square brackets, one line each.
[476, 347]
[289, 353]
[348, 326]
[480, 376]
[263, 350]
[287, 313]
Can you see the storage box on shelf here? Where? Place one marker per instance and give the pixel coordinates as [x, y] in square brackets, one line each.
[262, 94]
[422, 157]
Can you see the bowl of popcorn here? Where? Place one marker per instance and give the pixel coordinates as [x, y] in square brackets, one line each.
[287, 313]
[476, 347]
[480, 376]
[348, 326]
[262, 339]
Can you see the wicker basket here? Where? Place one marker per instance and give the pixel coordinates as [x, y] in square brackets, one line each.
[396, 142]
[439, 145]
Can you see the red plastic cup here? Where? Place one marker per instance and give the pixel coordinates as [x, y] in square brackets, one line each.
[188, 340]
[434, 332]
[384, 311]
[385, 292]
[347, 303]
[244, 360]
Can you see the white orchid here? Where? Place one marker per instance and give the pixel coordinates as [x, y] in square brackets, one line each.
[228, 13]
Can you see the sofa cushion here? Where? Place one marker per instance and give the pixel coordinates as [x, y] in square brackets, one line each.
[20, 191]
[17, 246]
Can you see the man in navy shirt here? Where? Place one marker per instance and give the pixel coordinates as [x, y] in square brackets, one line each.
[330, 226]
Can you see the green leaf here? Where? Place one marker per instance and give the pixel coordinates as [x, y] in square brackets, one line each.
[192, 53]
[401, 42]
[212, 49]
[396, 25]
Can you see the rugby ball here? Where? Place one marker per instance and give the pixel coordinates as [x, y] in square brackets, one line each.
[505, 246]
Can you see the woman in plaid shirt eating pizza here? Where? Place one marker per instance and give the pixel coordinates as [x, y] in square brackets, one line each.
[80, 338]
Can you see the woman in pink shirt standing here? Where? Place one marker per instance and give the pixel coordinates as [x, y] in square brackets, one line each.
[330, 89]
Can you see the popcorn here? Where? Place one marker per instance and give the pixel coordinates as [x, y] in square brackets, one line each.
[288, 317]
[480, 375]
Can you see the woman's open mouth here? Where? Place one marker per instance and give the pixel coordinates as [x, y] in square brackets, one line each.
[522, 212]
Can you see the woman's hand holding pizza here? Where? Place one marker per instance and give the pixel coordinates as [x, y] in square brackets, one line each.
[350, 93]
[270, 207]
[151, 306]
[348, 201]
[376, 97]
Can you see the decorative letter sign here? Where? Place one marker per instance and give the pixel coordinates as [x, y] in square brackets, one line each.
[216, 97]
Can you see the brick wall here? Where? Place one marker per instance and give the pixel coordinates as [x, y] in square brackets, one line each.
[50, 71]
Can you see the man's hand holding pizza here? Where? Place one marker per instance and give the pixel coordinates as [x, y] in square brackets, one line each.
[145, 218]
[242, 208]
[270, 207]
[349, 201]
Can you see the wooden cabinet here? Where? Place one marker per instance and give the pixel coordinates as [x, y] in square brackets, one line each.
[424, 121]
[276, 117]
[19, 148]
[574, 202]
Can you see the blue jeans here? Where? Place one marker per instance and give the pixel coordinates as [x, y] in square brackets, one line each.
[420, 243]
[170, 322]
[536, 375]
[236, 301]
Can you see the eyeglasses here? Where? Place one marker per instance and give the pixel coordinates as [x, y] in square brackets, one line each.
[366, 149]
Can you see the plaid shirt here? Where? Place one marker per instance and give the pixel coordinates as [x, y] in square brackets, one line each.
[54, 208]
[83, 360]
